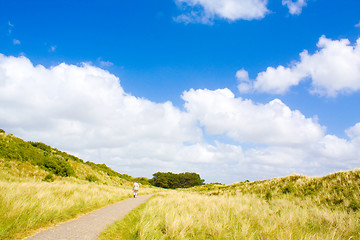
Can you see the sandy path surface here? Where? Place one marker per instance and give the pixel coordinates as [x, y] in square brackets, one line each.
[89, 226]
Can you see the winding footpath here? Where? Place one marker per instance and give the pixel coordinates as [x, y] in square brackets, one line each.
[89, 226]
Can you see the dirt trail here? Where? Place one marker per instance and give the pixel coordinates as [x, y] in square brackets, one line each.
[89, 226]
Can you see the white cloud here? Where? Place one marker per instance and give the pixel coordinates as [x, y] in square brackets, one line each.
[354, 133]
[103, 63]
[205, 11]
[242, 120]
[10, 27]
[16, 42]
[85, 111]
[276, 80]
[295, 7]
[52, 48]
[244, 81]
[357, 25]
[334, 69]
[86, 101]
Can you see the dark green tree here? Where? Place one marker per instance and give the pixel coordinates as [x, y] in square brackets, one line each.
[172, 180]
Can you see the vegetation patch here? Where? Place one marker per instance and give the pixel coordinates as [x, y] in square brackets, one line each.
[12, 148]
[189, 215]
[172, 180]
[293, 207]
[49, 178]
[32, 205]
[335, 191]
[91, 178]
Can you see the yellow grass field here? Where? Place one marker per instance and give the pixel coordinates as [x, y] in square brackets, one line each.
[233, 212]
[29, 204]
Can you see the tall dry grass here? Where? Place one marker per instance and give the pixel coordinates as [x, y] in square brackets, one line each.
[41, 186]
[339, 190]
[27, 203]
[31, 205]
[182, 215]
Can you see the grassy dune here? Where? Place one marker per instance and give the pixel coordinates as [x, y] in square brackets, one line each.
[339, 190]
[28, 203]
[294, 207]
[41, 187]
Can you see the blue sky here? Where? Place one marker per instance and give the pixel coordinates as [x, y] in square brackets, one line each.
[160, 50]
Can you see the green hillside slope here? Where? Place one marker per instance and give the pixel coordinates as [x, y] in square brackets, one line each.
[41, 186]
[16, 153]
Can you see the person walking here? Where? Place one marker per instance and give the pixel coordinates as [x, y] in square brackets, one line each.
[135, 188]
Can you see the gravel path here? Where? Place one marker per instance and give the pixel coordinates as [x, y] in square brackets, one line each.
[89, 226]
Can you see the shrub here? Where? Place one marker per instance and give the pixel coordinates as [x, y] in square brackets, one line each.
[41, 145]
[268, 196]
[288, 189]
[2, 131]
[91, 178]
[58, 166]
[49, 178]
[354, 206]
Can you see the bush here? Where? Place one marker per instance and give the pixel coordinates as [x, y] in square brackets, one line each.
[2, 131]
[59, 167]
[354, 206]
[49, 178]
[41, 145]
[91, 178]
[268, 196]
[288, 189]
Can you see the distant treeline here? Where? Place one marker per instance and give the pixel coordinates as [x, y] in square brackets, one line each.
[172, 180]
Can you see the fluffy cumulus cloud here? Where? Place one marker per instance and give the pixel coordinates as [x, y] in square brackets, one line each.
[295, 7]
[85, 104]
[333, 69]
[272, 123]
[205, 11]
[84, 110]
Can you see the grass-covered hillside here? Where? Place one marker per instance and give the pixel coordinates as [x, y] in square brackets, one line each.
[337, 190]
[16, 154]
[293, 207]
[41, 186]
